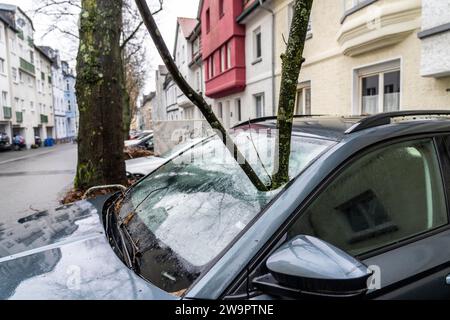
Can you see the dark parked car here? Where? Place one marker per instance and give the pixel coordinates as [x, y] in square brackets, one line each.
[366, 215]
[5, 142]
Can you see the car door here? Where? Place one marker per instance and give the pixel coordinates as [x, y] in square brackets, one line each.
[388, 207]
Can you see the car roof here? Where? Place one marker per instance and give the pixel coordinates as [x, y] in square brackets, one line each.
[337, 127]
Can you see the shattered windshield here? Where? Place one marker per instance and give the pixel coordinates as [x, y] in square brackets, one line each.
[187, 211]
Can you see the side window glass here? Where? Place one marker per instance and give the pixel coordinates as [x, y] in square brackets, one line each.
[386, 196]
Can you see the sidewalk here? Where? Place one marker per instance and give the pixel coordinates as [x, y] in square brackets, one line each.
[11, 156]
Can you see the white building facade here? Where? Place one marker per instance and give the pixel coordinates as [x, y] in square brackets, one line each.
[26, 99]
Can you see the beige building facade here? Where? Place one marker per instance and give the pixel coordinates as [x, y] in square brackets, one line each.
[369, 56]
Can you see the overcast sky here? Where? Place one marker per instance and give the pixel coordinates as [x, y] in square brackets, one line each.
[166, 21]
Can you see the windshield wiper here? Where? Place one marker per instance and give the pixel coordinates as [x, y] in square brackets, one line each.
[124, 238]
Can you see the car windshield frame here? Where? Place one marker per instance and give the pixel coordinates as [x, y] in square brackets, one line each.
[276, 194]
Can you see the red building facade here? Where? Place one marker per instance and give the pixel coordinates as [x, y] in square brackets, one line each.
[223, 47]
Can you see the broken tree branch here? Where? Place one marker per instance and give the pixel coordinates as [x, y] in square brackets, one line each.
[192, 95]
[292, 61]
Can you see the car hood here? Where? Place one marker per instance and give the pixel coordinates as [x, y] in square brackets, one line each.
[64, 254]
[144, 165]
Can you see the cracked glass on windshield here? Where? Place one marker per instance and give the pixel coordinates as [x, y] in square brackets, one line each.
[186, 212]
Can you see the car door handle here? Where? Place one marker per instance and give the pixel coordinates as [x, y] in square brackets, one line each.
[447, 280]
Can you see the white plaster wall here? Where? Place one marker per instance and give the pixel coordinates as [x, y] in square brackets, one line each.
[435, 59]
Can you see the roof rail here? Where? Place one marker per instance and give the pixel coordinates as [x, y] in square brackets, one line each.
[385, 118]
[262, 119]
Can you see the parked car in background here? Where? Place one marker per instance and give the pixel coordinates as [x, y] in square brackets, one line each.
[141, 167]
[140, 134]
[144, 142]
[5, 142]
[365, 216]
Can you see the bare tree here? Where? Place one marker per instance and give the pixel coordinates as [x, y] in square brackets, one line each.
[292, 62]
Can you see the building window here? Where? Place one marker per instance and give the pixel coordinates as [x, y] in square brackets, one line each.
[21, 76]
[183, 54]
[208, 21]
[221, 8]
[257, 49]
[380, 92]
[4, 98]
[222, 59]
[31, 57]
[259, 105]
[2, 65]
[1, 33]
[14, 74]
[197, 81]
[304, 100]
[12, 44]
[210, 68]
[238, 109]
[220, 110]
[195, 47]
[228, 55]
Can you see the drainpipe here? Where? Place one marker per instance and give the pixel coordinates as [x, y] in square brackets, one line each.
[273, 54]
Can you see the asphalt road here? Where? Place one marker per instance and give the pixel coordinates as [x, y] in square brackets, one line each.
[35, 180]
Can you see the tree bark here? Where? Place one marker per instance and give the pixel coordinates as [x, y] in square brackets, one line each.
[196, 99]
[292, 61]
[99, 90]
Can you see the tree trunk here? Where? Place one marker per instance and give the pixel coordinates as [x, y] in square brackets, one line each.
[291, 65]
[99, 89]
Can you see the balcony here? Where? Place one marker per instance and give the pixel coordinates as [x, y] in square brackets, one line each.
[44, 119]
[379, 25]
[19, 117]
[7, 112]
[27, 67]
[227, 83]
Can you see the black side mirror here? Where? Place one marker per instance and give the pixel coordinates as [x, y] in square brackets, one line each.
[307, 267]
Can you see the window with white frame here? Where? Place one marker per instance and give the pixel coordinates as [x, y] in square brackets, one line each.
[12, 45]
[1, 33]
[198, 81]
[257, 45]
[14, 74]
[4, 98]
[220, 110]
[259, 105]
[303, 104]
[228, 55]
[379, 88]
[238, 109]
[183, 54]
[222, 59]
[195, 47]
[2, 65]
